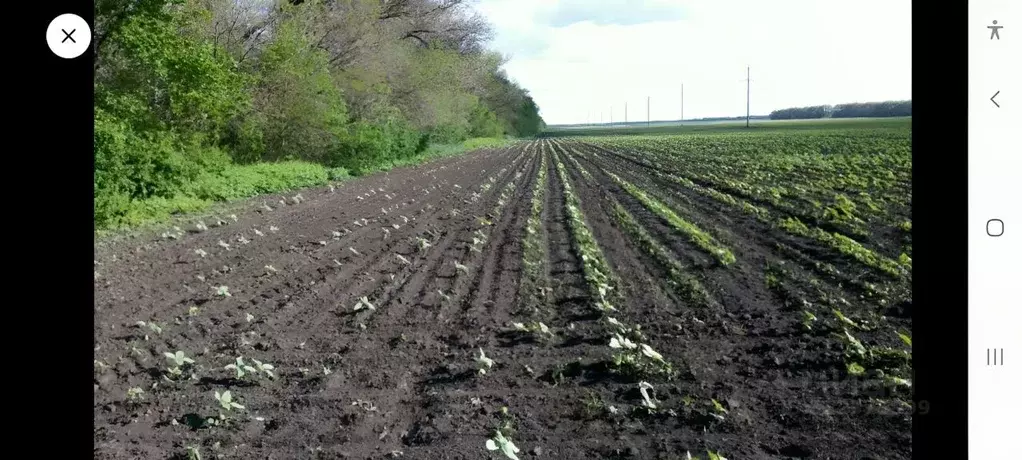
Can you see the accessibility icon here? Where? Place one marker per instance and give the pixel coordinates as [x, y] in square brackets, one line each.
[994, 30]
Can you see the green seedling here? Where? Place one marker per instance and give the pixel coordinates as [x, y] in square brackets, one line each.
[535, 327]
[647, 402]
[240, 368]
[483, 363]
[710, 455]
[905, 338]
[500, 443]
[179, 360]
[223, 291]
[844, 319]
[718, 410]
[193, 311]
[227, 401]
[637, 359]
[193, 453]
[200, 253]
[807, 320]
[135, 394]
[855, 369]
[152, 326]
[462, 268]
[364, 303]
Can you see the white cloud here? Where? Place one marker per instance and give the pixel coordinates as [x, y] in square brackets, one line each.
[802, 52]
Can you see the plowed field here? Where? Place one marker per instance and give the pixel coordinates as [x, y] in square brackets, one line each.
[751, 336]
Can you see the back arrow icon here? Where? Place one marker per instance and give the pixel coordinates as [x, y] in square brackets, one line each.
[992, 99]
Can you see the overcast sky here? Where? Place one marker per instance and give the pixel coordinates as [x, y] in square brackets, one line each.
[579, 56]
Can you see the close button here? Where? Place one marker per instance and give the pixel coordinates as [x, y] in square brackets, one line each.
[69, 36]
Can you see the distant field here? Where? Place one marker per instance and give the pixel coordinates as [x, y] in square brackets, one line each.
[675, 127]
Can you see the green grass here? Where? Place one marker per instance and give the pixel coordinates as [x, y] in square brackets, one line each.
[238, 182]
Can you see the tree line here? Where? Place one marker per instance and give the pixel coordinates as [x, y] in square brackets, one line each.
[187, 88]
[854, 110]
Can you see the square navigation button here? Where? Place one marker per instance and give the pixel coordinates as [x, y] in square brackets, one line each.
[995, 227]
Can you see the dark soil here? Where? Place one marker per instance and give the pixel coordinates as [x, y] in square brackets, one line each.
[400, 380]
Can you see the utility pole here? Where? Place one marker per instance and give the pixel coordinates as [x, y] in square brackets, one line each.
[647, 111]
[748, 82]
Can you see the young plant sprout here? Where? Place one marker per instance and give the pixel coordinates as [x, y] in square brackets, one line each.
[396, 227]
[483, 363]
[405, 219]
[353, 251]
[905, 338]
[179, 360]
[274, 229]
[499, 443]
[135, 394]
[424, 244]
[224, 245]
[240, 368]
[403, 259]
[364, 303]
[336, 234]
[223, 291]
[201, 226]
[807, 320]
[327, 371]
[458, 266]
[267, 207]
[270, 270]
[648, 403]
[844, 319]
[227, 401]
[650, 353]
[620, 342]
[233, 217]
[200, 253]
[535, 327]
[446, 297]
[193, 311]
[257, 232]
[249, 317]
